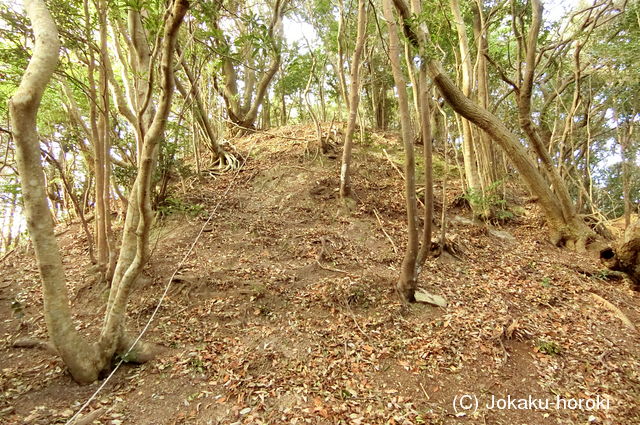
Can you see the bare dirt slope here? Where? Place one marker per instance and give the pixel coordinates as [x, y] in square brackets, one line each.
[285, 312]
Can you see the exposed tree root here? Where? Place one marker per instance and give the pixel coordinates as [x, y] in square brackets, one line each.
[575, 237]
[625, 257]
[393, 244]
[90, 417]
[448, 249]
[615, 310]
[321, 256]
[226, 162]
[5, 256]
[39, 344]
[142, 352]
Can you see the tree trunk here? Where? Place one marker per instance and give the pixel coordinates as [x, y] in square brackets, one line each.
[242, 109]
[142, 99]
[266, 113]
[407, 282]
[487, 159]
[468, 148]
[424, 104]
[85, 361]
[139, 60]
[201, 117]
[139, 215]
[624, 139]
[567, 229]
[354, 98]
[76, 203]
[80, 357]
[103, 156]
[524, 95]
[283, 108]
[625, 256]
[408, 59]
[441, 136]
[340, 40]
[11, 219]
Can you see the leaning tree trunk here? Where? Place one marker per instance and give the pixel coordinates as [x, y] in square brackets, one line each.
[201, 117]
[524, 101]
[566, 227]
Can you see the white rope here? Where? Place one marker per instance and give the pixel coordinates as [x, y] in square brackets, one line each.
[166, 290]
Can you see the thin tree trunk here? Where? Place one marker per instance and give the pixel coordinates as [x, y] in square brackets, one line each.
[340, 39]
[440, 124]
[283, 108]
[201, 116]
[11, 220]
[266, 113]
[468, 150]
[113, 330]
[424, 104]
[320, 79]
[76, 204]
[309, 105]
[487, 158]
[415, 95]
[407, 282]
[624, 139]
[354, 98]
[195, 141]
[3, 231]
[103, 195]
[97, 115]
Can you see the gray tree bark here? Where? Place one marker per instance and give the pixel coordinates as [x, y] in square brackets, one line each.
[567, 228]
[354, 101]
[84, 360]
[407, 281]
[79, 356]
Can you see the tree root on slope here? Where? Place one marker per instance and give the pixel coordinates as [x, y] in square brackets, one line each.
[36, 343]
[142, 352]
[226, 162]
[625, 255]
[615, 310]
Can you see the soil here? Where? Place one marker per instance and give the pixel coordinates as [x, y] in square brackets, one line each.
[285, 311]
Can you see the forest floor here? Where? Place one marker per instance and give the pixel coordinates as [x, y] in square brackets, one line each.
[285, 311]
